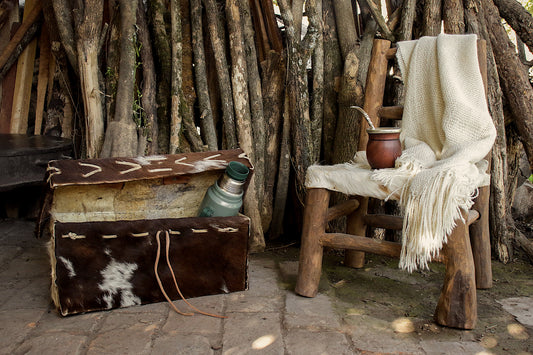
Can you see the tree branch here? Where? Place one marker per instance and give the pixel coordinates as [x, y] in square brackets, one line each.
[518, 18]
[376, 14]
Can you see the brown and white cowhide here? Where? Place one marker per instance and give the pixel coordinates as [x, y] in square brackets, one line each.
[104, 265]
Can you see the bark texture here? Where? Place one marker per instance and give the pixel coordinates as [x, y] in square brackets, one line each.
[513, 78]
[121, 133]
[518, 18]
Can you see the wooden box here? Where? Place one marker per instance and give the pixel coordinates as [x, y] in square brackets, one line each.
[106, 216]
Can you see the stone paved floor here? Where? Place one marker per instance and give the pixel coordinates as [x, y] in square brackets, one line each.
[266, 319]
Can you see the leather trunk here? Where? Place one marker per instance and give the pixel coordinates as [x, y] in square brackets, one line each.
[106, 216]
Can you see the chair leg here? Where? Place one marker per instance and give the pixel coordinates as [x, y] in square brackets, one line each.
[311, 250]
[355, 225]
[457, 306]
[480, 240]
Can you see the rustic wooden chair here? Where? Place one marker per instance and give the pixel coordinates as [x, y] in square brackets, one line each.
[466, 254]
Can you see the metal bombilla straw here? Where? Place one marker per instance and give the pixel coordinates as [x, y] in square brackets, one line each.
[365, 116]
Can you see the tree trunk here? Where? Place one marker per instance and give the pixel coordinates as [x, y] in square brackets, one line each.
[317, 93]
[148, 89]
[518, 18]
[432, 18]
[63, 15]
[513, 78]
[332, 75]
[207, 124]
[408, 18]
[354, 78]
[190, 130]
[59, 104]
[121, 134]
[282, 187]
[453, 16]
[375, 10]
[514, 153]
[345, 26]
[243, 122]
[274, 34]
[348, 124]
[273, 92]
[156, 11]
[256, 108]
[112, 59]
[176, 78]
[88, 26]
[499, 229]
[298, 94]
[297, 8]
[224, 82]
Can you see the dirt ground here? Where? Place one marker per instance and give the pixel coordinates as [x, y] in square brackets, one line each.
[383, 293]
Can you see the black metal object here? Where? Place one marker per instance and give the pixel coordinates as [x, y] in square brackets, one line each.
[23, 159]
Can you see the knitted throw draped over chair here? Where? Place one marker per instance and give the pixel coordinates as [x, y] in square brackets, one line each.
[446, 132]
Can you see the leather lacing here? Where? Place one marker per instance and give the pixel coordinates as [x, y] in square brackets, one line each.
[174, 278]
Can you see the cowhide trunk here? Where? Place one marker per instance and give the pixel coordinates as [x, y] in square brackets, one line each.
[104, 265]
[105, 215]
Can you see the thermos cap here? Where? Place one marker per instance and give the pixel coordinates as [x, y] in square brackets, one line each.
[237, 171]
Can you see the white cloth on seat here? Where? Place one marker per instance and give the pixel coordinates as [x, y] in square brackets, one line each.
[354, 178]
[446, 132]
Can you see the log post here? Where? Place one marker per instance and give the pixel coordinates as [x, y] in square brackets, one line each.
[355, 224]
[375, 87]
[457, 306]
[480, 240]
[311, 250]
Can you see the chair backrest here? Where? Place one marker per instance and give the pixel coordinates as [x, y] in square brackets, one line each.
[378, 69]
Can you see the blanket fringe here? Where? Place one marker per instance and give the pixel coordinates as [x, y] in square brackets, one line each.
[431, 213]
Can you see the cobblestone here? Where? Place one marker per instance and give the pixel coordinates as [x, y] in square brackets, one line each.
[268, 318]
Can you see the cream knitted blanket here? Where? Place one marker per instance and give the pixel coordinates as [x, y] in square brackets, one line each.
[446, 132]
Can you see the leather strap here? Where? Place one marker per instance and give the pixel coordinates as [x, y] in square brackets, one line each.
[167, 248]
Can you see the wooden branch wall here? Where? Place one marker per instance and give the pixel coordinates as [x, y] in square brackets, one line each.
[201, 75]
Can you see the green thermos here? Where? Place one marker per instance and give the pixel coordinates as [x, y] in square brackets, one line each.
[224, 197]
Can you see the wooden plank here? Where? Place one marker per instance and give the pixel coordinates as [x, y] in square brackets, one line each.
[21, 97]
[20, 39]
[5, 34]
[5, 30]
[8, 89]
[42, 80]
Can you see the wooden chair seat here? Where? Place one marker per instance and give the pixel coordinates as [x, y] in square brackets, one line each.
[466, 254]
